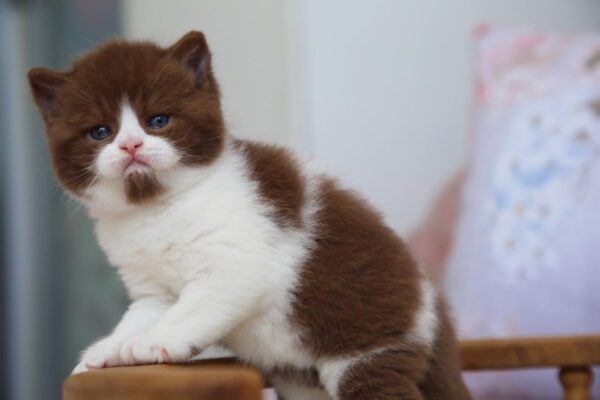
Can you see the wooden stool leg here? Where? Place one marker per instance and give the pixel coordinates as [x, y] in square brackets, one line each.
[576, 383]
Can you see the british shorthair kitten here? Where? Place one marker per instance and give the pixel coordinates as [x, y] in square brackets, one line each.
[232, 242]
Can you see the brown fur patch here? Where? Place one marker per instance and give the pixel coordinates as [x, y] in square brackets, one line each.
[139, 187]
[176, 81]
[279, 180]
[359, 290]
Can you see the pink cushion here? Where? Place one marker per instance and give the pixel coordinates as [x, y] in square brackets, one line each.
[525, 259]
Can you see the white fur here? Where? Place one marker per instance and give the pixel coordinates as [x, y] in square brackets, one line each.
[331, 373]
[220, 254]
[426, 326]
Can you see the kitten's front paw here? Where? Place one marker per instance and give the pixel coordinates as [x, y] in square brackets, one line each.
[104, 353]
[155, 349]
[80, 368]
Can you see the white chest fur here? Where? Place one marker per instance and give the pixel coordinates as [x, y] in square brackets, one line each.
[218, 225]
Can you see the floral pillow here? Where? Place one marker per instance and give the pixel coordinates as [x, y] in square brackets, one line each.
[525, 259]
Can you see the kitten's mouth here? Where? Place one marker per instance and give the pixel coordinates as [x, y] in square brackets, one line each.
[135, 164]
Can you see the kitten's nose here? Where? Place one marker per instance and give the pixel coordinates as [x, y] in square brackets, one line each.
[131, 145]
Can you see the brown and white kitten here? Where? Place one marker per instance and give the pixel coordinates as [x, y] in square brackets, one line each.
[227, 241]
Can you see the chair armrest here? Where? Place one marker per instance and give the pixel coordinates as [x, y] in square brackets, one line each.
[568, 351]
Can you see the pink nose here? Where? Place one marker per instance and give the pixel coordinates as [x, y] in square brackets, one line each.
[131, 145]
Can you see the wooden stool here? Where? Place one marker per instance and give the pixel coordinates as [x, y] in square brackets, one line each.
[203, 381]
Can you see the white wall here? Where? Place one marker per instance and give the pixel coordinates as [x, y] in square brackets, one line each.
[378, 90]
[390, 84]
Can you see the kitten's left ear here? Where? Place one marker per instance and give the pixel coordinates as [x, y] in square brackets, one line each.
[45, 85]
[193, 53]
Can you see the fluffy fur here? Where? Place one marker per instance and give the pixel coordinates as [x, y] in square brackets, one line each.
[221, 241]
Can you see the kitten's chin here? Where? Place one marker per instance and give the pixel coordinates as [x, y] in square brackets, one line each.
[136, 166]
[141, 186]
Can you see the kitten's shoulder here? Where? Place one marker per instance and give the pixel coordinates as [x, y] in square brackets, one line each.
[279, 179]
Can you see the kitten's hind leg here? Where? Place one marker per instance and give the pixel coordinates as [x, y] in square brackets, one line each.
[384, 375]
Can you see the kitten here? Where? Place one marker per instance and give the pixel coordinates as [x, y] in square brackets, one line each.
[224, 241]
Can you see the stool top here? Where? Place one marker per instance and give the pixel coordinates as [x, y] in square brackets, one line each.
[200, 381]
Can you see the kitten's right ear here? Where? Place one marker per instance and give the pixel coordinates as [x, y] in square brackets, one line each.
[45, 84]
[193, 53]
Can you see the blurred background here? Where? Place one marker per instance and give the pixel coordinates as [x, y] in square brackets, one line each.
[378, 92]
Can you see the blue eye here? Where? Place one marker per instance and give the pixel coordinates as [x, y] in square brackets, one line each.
[158, 121]
[100, 132]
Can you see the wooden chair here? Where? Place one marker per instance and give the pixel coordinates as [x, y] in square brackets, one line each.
[572, 356]
[223, 379]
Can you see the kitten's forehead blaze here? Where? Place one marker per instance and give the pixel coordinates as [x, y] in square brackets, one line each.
[151, 82]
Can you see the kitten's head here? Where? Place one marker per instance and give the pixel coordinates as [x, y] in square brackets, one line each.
[128, 114]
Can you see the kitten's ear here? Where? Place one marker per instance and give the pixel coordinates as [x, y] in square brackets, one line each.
[193, 53]
[45, 84]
